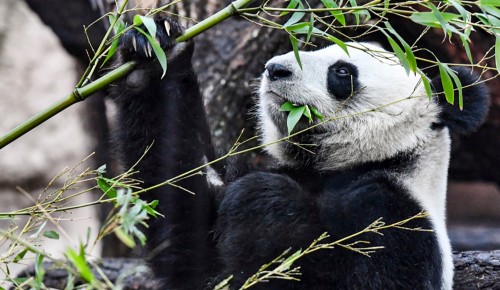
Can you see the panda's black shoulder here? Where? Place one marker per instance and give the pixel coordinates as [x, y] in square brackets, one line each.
[476, 99]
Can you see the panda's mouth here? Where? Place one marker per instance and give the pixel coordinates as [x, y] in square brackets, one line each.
[276, 98]
[279, 117]
[279, 100]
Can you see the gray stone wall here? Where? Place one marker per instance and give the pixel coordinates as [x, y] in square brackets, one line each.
[35, 72]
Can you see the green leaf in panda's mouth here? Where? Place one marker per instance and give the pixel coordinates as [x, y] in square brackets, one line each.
[296, 112]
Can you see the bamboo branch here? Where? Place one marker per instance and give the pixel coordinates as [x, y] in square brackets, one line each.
[81, 93]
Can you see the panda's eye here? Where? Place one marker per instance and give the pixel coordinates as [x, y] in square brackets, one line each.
[342, 71]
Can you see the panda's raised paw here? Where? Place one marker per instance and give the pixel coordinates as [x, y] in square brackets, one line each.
[135, 45]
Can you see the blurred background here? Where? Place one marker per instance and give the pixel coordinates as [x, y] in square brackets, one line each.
[43, 52]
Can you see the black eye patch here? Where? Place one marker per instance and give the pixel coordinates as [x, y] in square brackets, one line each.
[342, 80]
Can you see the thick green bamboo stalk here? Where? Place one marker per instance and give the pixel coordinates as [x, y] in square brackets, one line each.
[80, 94]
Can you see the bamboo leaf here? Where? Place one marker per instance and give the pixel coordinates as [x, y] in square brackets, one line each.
[111, 19]
[356, 15]
[411, 57]
[400, 54]
[364, 12]
[310, 28]
[137, 21]
[290, 260]
[465, 44]
[118, 28]
[287, 107]
[70, 284]
[224, 284]
[148, 22]
[296, 16]
[359, 12]
[17, 281]
[492, 9]
[307, 113]
[303, 28]
[51, 235]
[464, 13]
[78, 260]
[488, 3]
[430, 19]
[125, 238]
[106, 187]
[39, 230]
[294, 117]
[427, 85]
[298, 27]
[39, 270]
[316, 113]
[291, 5]
[483, 18]
[339, 16]
[295, 47]
[160, 54]
[20, 256]
[386, 7]
[442, 22]
[447, 83]
[398, 51]
[102, 169]
[458, 85]
[150, 208]
[339, 43]
[412, 62]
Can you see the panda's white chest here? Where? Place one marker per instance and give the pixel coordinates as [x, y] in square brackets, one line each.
[427, 184]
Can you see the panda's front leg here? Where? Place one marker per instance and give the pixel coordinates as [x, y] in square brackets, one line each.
[168, 115]
[262, 215]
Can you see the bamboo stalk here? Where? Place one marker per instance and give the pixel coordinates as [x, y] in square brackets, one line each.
[81, 93]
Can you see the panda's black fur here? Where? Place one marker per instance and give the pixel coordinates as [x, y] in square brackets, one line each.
[236, 222]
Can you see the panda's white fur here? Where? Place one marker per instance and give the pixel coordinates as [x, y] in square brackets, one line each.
[390, 114]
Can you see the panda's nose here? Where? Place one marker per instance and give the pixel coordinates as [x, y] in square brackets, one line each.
[276, 72]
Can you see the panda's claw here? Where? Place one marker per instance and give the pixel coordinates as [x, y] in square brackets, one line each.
[134, 43]
[167, 27]
[145, 48]
[150, 50]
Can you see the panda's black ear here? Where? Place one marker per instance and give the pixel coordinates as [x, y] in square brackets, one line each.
[475, 100]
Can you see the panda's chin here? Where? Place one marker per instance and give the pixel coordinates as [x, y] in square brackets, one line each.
[279, 119]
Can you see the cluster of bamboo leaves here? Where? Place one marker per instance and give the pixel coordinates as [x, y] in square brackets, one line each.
[295, 113]
[456, 18]
[125, 221]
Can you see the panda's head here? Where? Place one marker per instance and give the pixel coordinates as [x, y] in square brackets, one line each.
[377, 109]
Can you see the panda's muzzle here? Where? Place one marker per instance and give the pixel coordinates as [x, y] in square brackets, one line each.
[275, 72]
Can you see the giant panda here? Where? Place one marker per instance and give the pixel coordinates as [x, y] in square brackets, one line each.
[384, 154]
